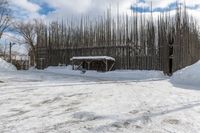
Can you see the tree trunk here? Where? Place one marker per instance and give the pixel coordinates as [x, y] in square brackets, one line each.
[33, 56]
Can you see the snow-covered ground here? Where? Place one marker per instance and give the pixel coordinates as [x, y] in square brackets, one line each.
[58, 101]
[113, 75]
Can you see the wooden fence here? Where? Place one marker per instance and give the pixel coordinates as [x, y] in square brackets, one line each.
[167, 44]
[127, 57]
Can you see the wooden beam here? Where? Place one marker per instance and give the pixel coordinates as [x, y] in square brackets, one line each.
[88, 63]
[112, 66]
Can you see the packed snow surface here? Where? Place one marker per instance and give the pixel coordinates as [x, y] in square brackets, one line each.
[113, 75]
[5, 66]
[59, 100]
[54, 101]
[188, 76]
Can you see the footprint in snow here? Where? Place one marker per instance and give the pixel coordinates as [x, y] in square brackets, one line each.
[171, 121]
[134, 112]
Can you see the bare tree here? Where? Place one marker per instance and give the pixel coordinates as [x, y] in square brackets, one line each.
[31, 32]
[28, 31]
[5, 16]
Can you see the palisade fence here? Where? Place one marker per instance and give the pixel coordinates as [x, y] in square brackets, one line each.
[167, 43]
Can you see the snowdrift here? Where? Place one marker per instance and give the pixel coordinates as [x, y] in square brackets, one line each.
[188, 76]
[113, 75]
[5, 66]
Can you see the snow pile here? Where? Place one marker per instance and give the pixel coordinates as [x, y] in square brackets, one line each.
[5, 66]
[188, 76]
[114, 75]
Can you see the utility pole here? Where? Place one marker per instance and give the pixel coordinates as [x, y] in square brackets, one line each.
[11, 44]
[10, 53]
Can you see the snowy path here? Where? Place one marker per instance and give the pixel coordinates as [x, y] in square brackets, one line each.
[43, 102]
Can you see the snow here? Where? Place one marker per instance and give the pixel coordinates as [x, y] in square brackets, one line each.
[92, 58]
[113, 75]
[59, 100]
[5, 66]
[188, 76]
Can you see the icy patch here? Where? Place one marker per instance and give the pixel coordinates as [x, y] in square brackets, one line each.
[5, 66]
[114, 75]
[188, 76]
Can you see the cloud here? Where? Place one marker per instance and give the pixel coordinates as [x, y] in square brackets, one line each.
[26, 5]
[159, 3]
[60, 9]
[69, 8]
[25, 9]
[77, 6]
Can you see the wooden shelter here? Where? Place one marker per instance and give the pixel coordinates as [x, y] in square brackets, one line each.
[99, 63]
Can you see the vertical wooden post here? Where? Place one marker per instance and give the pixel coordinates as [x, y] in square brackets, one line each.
[73, 65]
[10, 54]
[106, 65]
[88, 63]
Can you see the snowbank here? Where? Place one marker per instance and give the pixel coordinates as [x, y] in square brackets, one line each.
[188, 76]
[5, 66]
[114, 75]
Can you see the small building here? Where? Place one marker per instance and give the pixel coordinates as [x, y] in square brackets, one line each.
[98, 63]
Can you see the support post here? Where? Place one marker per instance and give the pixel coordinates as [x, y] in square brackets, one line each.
[72, 65]
[88, 63]
[10, 53]
[106, 65]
